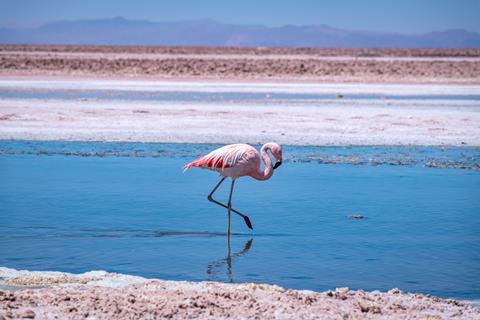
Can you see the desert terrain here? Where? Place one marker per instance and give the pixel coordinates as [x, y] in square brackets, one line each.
[260, 64]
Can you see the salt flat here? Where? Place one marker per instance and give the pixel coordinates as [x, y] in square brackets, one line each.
[347, 114]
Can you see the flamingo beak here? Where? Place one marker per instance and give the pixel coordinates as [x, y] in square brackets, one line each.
[277, 164]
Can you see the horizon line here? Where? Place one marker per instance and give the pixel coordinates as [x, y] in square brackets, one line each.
[36, 25]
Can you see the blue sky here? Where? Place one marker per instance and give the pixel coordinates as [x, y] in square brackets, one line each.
[405, 16]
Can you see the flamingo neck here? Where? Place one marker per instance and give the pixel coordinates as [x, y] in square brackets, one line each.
[268, 172]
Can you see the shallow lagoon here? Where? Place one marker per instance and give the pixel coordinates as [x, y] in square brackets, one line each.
[133, 211]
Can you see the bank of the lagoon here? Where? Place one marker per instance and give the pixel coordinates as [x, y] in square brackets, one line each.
[106, 295]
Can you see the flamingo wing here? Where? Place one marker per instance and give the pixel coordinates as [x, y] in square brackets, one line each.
[228, 156]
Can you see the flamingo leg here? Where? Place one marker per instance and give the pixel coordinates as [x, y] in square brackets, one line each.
[210, 198]
[215, 189]
[230, 208]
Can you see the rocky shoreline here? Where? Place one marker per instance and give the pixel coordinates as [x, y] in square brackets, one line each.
[103, 295]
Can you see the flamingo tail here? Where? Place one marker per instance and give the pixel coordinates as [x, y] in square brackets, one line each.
[195, 163]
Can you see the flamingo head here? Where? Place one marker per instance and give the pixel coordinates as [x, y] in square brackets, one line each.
[276, 151]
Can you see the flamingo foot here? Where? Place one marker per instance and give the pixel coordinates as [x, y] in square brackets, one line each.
[247, 221]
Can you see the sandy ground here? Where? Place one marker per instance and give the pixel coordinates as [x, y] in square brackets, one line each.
[101, 295]
[280, 64]
[324, 122]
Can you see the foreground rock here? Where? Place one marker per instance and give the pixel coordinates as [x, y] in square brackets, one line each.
[161, 299]
[98, 296]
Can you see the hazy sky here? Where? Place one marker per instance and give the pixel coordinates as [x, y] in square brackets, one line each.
[406, 16]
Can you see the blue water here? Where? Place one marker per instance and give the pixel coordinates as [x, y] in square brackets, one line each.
[131, 210]
[198, 96]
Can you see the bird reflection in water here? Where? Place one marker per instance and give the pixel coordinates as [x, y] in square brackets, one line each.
[215, 266]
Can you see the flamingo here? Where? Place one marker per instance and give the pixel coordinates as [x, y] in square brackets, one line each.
[235, 161]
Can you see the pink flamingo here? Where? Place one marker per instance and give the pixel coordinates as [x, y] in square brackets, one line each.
[238, 160]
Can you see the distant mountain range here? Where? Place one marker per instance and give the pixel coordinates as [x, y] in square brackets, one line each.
[120, 31]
